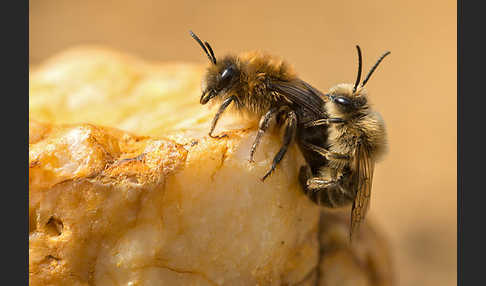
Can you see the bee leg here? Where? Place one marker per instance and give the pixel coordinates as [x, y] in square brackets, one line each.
[290, 130]
[327, 192]
[304, 174]
[218, 114]
[264, 123]
[324, 121]
[326, 153]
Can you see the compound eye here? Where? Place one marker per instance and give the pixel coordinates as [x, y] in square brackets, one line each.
[342, 101]
[226, 76]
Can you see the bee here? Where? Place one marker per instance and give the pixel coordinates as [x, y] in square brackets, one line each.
[263, 85]
[356, 139]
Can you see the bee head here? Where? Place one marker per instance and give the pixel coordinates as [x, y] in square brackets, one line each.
[348, 99]
[221, 76]
[343, 101]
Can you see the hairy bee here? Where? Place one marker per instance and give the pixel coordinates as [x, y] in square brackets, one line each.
[262, 85]
[356, 139]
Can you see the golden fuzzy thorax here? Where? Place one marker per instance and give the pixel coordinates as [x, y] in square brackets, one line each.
[257, 62]
[256, 68]
[361, 125]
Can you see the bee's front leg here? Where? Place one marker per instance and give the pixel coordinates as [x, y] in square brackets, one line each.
[326, 153]
[324, 121]
[221, 109]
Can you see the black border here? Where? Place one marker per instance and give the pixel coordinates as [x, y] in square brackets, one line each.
[471, 148]
[15, 139]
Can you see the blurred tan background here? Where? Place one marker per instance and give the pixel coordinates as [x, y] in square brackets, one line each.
[414, 194]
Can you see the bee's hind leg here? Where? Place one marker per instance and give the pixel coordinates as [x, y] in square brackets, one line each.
[290, 130]
[324, 191]
[263, 126]
[305, 174]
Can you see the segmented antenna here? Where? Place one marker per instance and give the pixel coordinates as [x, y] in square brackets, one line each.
[374, 67]
[211, 51]
[360, 64]
[210, 56]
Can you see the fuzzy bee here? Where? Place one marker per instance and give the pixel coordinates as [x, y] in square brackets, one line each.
[261, 85]
[356, 139]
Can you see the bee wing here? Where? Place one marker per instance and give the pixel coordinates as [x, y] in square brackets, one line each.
[364, 167]
[300, 93]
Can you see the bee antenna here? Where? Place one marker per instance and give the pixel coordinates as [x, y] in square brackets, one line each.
[360, 64]
[211, 51]
[374, 67]
[210, 56]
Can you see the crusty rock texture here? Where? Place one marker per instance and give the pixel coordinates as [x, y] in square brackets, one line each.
[126, 188]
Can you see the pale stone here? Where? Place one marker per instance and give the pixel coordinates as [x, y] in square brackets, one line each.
[161, 203]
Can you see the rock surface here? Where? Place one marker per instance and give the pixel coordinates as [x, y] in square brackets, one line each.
[161, 203]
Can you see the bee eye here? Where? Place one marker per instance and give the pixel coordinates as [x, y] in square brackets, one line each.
[226, 76]
[342, 100]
